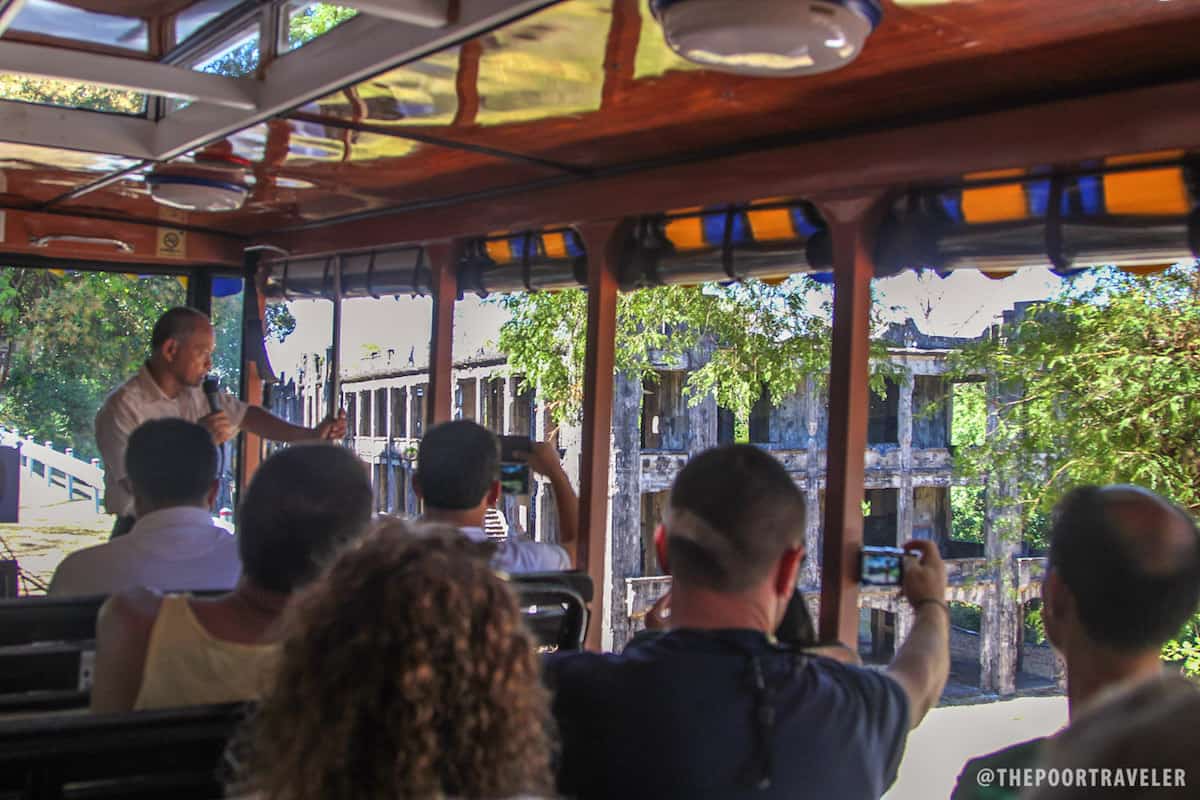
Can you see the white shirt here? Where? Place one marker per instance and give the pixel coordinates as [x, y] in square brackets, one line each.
[516, 556]
[139, 400]
[175, 549]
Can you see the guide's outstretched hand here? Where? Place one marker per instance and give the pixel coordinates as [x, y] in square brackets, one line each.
[333, 427]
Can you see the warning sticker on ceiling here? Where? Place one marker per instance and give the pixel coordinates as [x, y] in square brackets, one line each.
[172, 243]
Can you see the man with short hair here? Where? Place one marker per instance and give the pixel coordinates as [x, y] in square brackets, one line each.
[1123, 577]
[716, 706]
[172, 466]
[303, 505]
[169, 385]
[458, 478]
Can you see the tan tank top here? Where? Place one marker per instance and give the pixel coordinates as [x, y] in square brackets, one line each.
[187, 666]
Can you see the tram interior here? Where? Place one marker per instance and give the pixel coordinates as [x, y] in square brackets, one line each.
[272, 151]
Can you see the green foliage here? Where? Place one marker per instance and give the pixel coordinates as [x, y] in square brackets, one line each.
[73, 342]
[758, 334]
[280, 323]
[968, 510]
[968, 504]
[316, 20]
[70, 94]
[966, 616]
[1100, 384]
[1035, 626]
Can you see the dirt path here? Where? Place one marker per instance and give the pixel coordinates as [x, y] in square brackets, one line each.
[50, 528]
[951, 735]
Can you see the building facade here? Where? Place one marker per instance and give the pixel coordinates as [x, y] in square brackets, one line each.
[909, 475]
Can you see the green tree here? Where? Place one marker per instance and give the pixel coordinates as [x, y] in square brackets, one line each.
[969, 424]
[75, 340]
[1100, 384]
[761, 335]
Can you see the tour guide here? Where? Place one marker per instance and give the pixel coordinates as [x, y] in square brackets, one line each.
[169, 385]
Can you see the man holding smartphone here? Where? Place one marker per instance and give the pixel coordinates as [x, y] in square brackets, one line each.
[717, 706]
[458, 478]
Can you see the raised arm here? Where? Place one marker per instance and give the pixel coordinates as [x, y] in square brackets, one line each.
[263, 423]
[922, 664]
[543, 459]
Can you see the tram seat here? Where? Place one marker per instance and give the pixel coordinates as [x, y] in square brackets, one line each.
[556, 606]
[46, 651]
[175, 753]
[47, 644]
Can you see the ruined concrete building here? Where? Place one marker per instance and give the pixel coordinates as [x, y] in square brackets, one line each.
[909, 477]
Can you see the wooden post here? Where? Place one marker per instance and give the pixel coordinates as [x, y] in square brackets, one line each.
[254, 301]
[96, 490]
[335, 350]
[602, 242]
[443, 257]
[852, 227]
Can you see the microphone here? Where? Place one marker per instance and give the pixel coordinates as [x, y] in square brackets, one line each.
[212, 387]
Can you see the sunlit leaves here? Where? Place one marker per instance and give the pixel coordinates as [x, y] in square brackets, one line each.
[734, 339]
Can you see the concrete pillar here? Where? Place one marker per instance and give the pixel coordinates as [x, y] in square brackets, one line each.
[701, 418]
[506, 404]
[625, 540]
[542, 502]
[904, 497]
[481, 401]
[1001, 619]
[810, 575]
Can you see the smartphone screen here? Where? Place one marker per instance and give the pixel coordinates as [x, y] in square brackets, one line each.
[882, 566]
[514, 471]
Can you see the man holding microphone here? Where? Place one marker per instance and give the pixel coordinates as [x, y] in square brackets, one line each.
[170, 384]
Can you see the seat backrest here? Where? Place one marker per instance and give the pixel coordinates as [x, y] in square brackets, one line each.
[555, 607]
[27, 620]
[176, 753]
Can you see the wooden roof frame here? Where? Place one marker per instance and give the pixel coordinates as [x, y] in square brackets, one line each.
[849, 174]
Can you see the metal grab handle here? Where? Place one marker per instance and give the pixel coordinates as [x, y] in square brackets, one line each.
[44, 241]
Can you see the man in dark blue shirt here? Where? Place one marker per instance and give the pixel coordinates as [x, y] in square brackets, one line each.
[716, 707]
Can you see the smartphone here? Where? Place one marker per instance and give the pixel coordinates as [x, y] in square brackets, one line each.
[882, 566]
[514, 469]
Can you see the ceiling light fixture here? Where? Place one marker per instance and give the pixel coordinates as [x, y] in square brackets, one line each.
[213, 180]
[768, 37]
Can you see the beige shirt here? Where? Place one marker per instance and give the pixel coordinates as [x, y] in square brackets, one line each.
[188, 666]
[140, 400]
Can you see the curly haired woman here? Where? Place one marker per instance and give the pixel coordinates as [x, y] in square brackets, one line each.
[406, 672]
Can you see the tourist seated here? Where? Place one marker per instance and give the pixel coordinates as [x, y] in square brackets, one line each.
[1123, 576]
[1135, 743]
[174, 545]
[160, 651]
[717, 706]
[406, 672]
[458, 479]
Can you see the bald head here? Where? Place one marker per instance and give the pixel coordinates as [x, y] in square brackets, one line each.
[1131, 560]
[177, 323]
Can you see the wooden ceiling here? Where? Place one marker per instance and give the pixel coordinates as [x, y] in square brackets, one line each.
[581, 110]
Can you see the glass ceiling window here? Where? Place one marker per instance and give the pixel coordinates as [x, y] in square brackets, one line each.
[197, 15]
[235, 58]
[49, 18]
[70, 94]
[306, 21]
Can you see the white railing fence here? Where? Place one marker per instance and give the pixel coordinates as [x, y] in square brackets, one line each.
[59, 468]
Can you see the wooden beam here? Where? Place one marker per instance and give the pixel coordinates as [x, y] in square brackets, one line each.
[852, 224]
[443, 257]
[250, 449]
[602, 242]
[68, 237]
[1164, 117]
